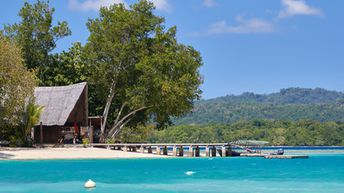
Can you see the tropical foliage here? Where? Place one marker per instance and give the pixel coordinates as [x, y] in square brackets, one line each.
[16, 87]
[136, 69]
[31, 117]
[142, 73]
[67, 67]
[302, 132]
[288, 104]
[36, 35]
[140, 76]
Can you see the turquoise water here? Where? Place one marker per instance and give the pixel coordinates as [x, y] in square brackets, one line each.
[318, 174]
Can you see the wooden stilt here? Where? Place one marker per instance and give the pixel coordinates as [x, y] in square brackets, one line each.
[158, 150]
[207, 152]
[213, 151]
[165, 151]
[181, 151]
[41, 132]
[219, 151]
[174, 151]
[125, 148]
[191, 152]
[91, 134]
[197, 151]
[229, 151]
[150, 149]
[142, 149]
[224, 151]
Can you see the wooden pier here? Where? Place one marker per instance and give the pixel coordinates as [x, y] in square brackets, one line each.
[188, 150]
[169, 149]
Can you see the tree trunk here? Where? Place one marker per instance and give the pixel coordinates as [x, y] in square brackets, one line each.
[117, 126]
[118, 130]
[106, 111]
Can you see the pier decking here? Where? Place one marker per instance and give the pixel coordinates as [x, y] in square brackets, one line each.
[172, 149]
[188, 150]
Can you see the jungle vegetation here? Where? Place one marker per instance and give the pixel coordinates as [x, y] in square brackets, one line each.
[293, 133]
[136, 69]
[142, 80]
[290, 104]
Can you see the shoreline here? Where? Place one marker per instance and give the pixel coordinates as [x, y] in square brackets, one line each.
[71, 153]
[75, 152]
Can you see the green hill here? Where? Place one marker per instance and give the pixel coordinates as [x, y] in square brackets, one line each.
[288, 104]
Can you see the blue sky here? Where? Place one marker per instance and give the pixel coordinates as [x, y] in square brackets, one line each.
[258, 46]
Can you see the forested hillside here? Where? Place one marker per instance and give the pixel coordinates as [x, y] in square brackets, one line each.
[288, 104]
[303, 132]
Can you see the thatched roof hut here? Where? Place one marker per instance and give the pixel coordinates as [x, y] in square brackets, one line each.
[64, 106]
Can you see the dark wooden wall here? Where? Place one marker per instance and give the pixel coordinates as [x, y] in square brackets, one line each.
[50, 134]
[79, 114]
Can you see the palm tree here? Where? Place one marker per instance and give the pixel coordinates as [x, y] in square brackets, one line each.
[31, 117]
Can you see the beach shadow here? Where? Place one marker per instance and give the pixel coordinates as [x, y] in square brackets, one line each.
[5, 155]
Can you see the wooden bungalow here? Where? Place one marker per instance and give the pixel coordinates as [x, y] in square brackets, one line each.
[65, 112]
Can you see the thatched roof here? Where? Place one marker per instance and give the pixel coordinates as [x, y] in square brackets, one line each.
[58, 102]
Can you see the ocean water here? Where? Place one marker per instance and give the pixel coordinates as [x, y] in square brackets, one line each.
[321, 173]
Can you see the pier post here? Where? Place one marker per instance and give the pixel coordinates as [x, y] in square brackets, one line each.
[224, 151]
[90, 136]
[41, 133]
[229, 151]
[191, 153]
[207, 152]
[213, 151]
[181, 151]
[142, 149]
[150, 149]
[165, 151]
[124, 148]
[197, 151]
[158, 150]
[174, 151]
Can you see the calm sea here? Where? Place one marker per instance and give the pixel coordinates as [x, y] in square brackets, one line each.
[321, 173]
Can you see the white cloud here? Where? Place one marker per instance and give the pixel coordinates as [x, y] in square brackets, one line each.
[249, 26]
[162, 5]
[209, 3]
[92, 4]
[297, 7]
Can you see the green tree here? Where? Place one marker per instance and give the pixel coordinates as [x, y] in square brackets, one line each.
[30, 118]
[303, 132]
[140, 70]
[36, 35]
[67, 67]
[16, 85]
[278, 136]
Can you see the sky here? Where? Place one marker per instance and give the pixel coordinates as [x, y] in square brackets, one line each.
[256, 46]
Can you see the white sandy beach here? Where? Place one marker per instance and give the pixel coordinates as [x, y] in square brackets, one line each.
[68, 153]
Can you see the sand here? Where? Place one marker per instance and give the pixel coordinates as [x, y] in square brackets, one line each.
[100, 153]
[69, 153]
